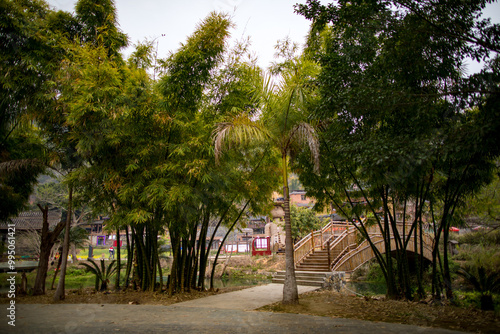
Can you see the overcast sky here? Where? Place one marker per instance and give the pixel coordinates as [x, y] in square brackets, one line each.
[264, 21]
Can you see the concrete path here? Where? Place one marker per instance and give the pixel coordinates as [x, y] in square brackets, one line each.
[224, 313]
[244, 300]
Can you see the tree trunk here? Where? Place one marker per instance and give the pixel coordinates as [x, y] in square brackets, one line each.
[160, 273]
[73, 254]
[130, 256]
[172, 282]
[203, 250]
[43, 266]
[60, 293]
[182, 267]
[58, 267]
[222, 244]
[118, 260]
[46, 243]
[290, 292]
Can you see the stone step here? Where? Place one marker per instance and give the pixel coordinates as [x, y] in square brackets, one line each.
[308, 278]
[315, 261]
[300, 282]
[313, 276]
[316, 257]
[320, 252]
[312, 264]
[314, 269]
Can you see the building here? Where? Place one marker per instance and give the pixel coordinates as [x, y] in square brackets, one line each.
[99, 236]
[297, 198]
[28, 221]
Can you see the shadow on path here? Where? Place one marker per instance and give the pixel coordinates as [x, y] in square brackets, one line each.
[224, 313]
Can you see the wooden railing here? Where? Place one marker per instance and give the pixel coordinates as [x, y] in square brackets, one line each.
[343, 243]
[318, 240]
[341, 240]
[364, 252]
[355, 256]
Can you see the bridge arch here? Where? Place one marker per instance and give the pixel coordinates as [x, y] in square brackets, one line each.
[355, 258]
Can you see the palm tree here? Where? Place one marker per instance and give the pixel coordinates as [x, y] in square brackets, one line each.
[102, 274]
[484, 282]
[282, 125]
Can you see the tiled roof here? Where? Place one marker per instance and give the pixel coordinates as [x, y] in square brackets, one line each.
[303, 205]
[33, 220]
[293, 192]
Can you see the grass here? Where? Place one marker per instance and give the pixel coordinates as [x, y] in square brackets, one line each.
[86, 280]
[100, 252]
[76, 278]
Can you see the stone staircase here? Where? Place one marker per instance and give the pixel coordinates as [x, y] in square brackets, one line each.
[307, 278]
[316, 262]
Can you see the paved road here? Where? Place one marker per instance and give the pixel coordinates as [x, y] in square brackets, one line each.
[225, 313]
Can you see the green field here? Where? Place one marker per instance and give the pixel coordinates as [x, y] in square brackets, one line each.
[82, 254]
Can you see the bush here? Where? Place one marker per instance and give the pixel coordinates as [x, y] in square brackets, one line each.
[469, 299]
[480, 256]
[375, 273]
[473, 300]
[484, 238]
[75, 271]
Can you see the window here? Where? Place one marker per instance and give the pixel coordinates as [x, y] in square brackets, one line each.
[101, 241]
[303, 197]
[260, 230]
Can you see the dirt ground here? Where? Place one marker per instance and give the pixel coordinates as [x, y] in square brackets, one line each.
[322, 303]
[338, 305]
[89, 296]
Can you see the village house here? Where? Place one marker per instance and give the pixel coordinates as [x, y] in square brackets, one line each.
[28, 221]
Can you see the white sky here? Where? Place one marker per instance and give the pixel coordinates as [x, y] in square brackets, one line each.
[264, 21]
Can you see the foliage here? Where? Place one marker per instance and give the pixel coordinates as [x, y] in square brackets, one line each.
[102, 273]
[304, 221]
[78, 237]
[98, 25]
[31, 53]
[483, 282]
[480, 256]
[482, 237]
[483, 208]
[75, 271]
[401, 125]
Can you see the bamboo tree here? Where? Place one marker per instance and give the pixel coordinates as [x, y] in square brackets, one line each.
[222, 244]
[118, 259]
[59, 294]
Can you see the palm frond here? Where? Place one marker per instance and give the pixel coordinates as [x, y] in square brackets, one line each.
[240, 130]
[481, 280]
[94, 268]
[304, 133]
[111, 269]
[17, 165]
[102, 273]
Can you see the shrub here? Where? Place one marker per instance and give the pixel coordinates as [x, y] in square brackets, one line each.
[375, 273]
[75, 271]
[483, 282]
[484, 238]
[102, 274]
